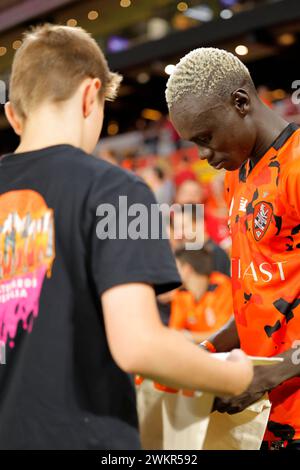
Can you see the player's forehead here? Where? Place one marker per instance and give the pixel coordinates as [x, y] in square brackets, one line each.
[193, 115]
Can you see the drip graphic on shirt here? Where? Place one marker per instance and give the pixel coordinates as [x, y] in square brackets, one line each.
[27, 252]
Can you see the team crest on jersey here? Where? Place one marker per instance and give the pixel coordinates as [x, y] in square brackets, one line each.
[263, 212]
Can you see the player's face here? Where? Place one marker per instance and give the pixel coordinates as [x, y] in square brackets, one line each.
[224, 134]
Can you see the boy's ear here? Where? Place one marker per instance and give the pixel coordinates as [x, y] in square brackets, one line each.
[13, 118]
[90, 95]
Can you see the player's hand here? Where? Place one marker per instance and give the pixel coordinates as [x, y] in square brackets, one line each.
[257, 388]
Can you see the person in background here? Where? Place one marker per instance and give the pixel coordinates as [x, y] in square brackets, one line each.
[183, 228]
[216, 213]
[184, 172]
[161, 185]
[205, 303]
[189, 192]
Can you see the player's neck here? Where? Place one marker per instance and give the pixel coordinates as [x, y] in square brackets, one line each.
[269, 127]
[197, 288]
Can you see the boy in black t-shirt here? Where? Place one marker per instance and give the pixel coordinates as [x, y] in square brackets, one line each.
[77, 307]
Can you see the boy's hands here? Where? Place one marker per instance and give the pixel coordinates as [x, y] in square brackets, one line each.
[139, 343]
[245, 368]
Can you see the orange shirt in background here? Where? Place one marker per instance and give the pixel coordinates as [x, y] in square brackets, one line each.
[208, 314]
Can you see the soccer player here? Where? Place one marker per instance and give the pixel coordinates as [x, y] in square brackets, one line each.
[213, 103]
[77, 301]
[205, 303]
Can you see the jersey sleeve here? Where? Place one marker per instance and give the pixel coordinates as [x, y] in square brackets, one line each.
[290, 187]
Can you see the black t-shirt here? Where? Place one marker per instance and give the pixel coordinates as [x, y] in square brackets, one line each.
[60, 387]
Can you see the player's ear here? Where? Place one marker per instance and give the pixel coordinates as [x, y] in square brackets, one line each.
[91, 88]
[13, 118]
[241, 101]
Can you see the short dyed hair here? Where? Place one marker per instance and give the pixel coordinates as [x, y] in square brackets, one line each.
[207, 72]
[52, 62]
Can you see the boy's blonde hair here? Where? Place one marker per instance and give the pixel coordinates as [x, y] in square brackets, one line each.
[52, 62]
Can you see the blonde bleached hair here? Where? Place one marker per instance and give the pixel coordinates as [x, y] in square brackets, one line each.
[207, 72]
[52, 62]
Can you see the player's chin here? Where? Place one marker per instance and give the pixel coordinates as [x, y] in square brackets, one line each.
[231, 165]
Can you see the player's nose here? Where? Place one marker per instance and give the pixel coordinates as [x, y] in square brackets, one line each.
[205, 153]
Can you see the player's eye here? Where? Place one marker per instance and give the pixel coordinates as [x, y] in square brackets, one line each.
[204, 140]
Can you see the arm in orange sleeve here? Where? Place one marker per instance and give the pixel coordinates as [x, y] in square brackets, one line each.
[291, 185]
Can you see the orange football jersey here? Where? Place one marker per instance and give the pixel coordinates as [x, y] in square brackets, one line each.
[264, 219]
[210, 313]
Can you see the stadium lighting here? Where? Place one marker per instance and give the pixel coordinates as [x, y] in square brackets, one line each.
[241, 50]
[226, 14]
[169, 69]
[143, 77]
[182, 6]
[72, 22]
[16, 44]
[93, 15]
[113, 128]
[286, 39]
[151, 114]
[201, 13]
[125, 3]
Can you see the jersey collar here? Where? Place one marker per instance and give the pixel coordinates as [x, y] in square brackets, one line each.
[247, 168]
